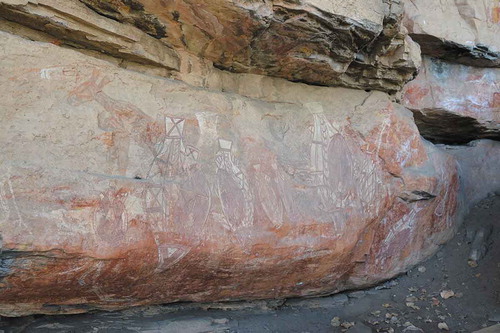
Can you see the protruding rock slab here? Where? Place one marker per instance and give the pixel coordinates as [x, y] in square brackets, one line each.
[350, 43]
[121, 189]
[70, 23]
[454, 103]
[464, 31]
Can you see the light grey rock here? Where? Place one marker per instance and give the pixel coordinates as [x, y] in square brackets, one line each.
[479, 246]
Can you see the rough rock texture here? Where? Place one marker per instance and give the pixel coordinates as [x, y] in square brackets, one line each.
[453, 103]
[120, 189]
[121, 186]
[348, 43]
[69, 23]
[463, 31]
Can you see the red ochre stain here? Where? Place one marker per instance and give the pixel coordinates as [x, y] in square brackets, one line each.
[81, 203]
[106, 138]
[495, 14]
[60, 188]
[414, 94]
[495, 103]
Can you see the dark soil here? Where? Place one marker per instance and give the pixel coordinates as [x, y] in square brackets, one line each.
[404, 304]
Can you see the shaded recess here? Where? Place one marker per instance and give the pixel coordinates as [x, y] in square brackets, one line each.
[441, 126]
[477, 55]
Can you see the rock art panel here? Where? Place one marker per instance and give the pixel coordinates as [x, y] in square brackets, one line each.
[453, 103]
[120, 189]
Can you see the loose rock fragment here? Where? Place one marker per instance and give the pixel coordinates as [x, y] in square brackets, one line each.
[360, 328]
[357, 294]
[443, 326]
[412, 328]
[412, 305]
[347, 324]
[335, 322]
[472, 263]
[479, 245]
[445, 294]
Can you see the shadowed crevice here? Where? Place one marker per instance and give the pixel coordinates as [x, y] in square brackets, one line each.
[441, 126]
[477, 55]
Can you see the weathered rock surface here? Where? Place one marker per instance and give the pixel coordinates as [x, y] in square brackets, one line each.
[463, 31]
[121, 189]
[453, 103]
[70, 23]
[347, 43]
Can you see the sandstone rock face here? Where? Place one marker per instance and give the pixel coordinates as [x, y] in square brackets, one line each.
[453, 103]
[347, 43]
[464, 31]
[158, 151]
[70, 23]
[121, 189]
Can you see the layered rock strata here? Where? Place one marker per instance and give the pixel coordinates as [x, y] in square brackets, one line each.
[346, 43]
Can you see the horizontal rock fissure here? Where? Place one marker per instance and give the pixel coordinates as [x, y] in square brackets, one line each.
[477, 55]
[416, 195]
[441, 126]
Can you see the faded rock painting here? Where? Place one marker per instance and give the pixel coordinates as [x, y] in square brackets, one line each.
[164, 193]
[176, 193]
[124, 121]
[233, 189]
[344, 178]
